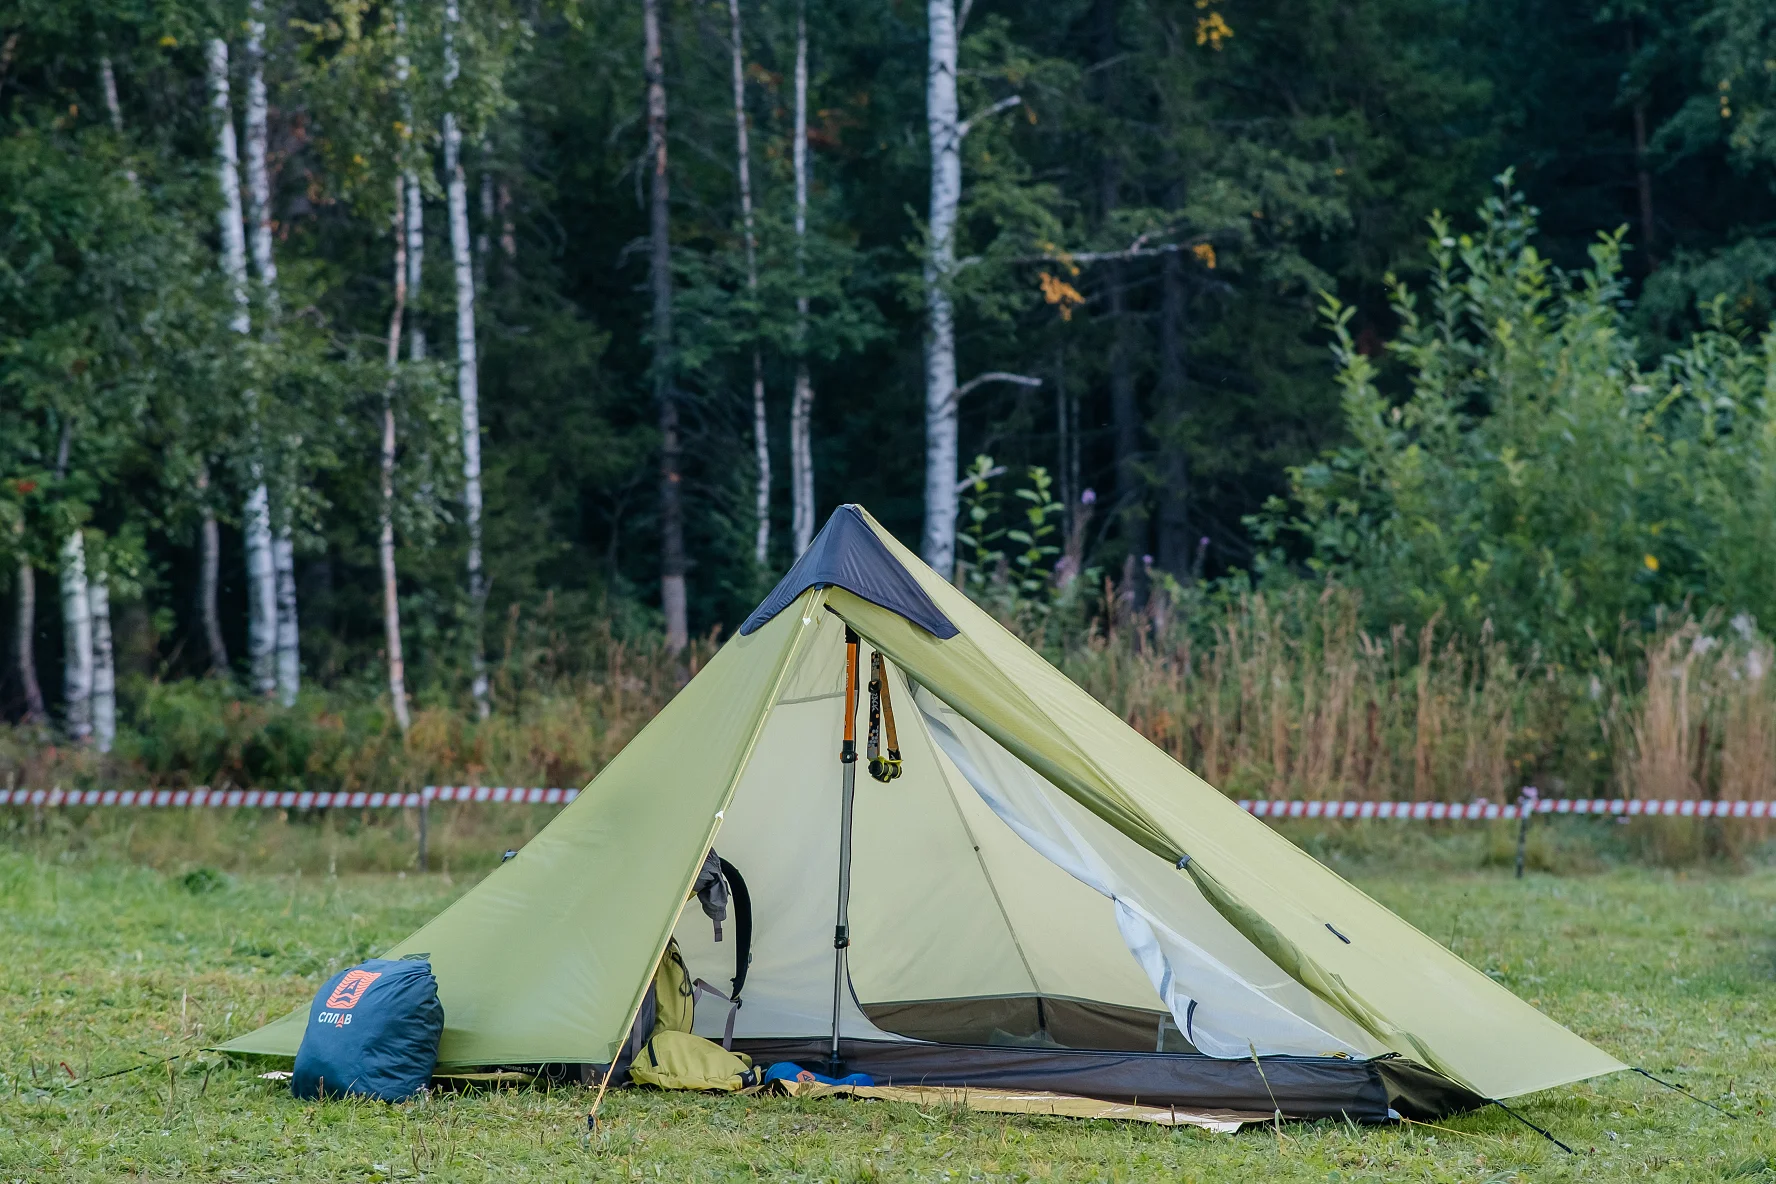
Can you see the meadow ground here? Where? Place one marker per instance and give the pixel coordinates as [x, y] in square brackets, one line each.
[106, 964]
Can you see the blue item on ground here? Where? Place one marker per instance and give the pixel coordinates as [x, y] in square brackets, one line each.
[372, 1031]
[789, 1071]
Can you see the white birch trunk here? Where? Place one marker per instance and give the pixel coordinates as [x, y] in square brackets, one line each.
[674, 598]
[209, 569]
[416, 338]
[104, 670]
[104, 680]
[232, 221]
[258, 177]
[256, 520]
[25, 640]
[77, 640]
[286, 645]
[467, 386]
[108, 80]
[801, 407]
[391, 603]
[761, 441]
[938, 544]
[262, 589]
[415, 197]
[289, 654]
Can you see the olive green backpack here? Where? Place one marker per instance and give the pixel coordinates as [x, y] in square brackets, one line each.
[672, 1058]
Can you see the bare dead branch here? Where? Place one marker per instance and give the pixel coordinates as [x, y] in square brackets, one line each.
[1005, 104]
[995, 471]
[991, 376]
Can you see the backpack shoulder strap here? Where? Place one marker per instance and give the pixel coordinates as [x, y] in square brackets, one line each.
[742, 901]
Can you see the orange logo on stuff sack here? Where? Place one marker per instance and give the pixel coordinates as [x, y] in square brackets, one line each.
[351, 988]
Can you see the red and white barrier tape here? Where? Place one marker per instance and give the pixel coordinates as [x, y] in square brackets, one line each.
[1478, 811]
[282, 799]
[1266, 808]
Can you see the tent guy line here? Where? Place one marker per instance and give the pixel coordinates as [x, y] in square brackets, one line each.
[1355, 811]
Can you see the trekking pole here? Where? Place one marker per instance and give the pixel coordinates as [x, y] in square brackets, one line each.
[1525, 807]
[835, 1064]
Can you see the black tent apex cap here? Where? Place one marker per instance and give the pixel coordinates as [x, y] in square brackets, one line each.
[847, 554]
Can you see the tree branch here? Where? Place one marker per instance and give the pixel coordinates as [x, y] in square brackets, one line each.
[992, 376]
[995, 471]
[967, 125]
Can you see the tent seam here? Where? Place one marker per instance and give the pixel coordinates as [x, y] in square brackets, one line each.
[727, 800]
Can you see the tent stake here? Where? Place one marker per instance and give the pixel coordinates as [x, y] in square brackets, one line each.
[835, 1064]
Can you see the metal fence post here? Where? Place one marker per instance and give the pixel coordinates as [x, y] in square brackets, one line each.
[425, 801]
[1526, 801]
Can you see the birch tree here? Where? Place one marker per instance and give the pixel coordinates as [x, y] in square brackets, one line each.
[761, 441]
[25, 639]
[77, 640]
[801, 408]
[287, 637]
[385, 548]
[407, 211]
[943, 127]
[77, 651]
[946, 131]
[673, 599]
[462, 257]
[415, 196]
[103, 713]
[262, 623]
[209, 574]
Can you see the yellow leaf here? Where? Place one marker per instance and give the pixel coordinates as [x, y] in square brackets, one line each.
[1212, 30]
[1062, 294]
[1651, 561]
[1205, 254]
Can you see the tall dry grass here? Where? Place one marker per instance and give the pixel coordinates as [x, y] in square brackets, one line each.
[1289, 696]
[555, 723]
[1265, 696]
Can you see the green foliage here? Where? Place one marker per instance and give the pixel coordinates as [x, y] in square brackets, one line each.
[1144, 231]
[201, 881]
[1008, 552]
[1533, 474]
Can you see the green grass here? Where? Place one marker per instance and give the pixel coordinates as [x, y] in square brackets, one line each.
[106, 964]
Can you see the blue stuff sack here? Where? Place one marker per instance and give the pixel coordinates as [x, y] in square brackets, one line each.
[372, 1031]
[789, 1071]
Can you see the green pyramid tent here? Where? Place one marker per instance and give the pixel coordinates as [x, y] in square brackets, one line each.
[1044, 900]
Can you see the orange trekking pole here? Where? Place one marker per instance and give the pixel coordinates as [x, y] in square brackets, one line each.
[835, 1064]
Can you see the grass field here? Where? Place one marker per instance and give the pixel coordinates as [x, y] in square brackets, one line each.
[106, 964]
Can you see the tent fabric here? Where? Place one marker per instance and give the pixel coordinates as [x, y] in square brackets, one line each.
[847, 554]
[1039, 885]
[1407, 992]
[1305, 1088]
[547, 958]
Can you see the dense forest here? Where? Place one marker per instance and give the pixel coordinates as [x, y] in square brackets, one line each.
[346, 343]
